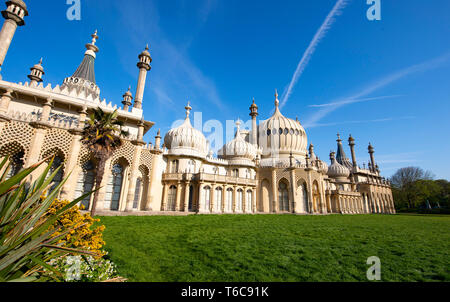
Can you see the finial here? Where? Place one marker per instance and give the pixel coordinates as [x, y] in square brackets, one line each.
[339, 137]
[146, 47]
[94, 37]
[277, 102]
[40, 61]
[188, 109]
[159, 132]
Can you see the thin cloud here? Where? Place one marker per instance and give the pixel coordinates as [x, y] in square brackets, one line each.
[389, 79]
[360, 121]
[351, 101]
[320, 34]
[180, 77]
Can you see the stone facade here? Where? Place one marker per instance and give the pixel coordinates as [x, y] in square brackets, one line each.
[265, 170]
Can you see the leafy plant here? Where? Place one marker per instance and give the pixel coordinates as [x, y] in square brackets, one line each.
[26, 244]
[102, 135]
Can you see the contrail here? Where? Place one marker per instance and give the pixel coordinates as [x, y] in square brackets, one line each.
[340, 4]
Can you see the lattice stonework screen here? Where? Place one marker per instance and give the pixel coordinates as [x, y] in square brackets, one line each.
[15, 134]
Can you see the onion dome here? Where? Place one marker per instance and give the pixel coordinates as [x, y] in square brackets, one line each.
[336, 170]
[145, 59]
[279, 136]
[186, 140]
[238, 149]
[37, 71]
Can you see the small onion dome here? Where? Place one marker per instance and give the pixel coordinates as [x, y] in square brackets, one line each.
[279, 136]
[186, 140]
[336, 170]
[39, 67]
[238, 148]
[146, 53]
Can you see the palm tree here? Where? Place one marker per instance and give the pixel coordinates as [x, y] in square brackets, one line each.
[102, 135]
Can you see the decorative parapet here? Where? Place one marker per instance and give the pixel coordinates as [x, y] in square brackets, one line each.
[81, 87]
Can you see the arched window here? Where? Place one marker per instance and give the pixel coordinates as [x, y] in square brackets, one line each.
[229, 200]
[137, 192]
[174, 167]
[16, 164]
[239, 198]
[235, 173]
[171, 199]
[57, 162]
[283, 196]
[85, 184]
[207, 198]
[249, 202]
[218, 200]
[114, 188]
[191, 166]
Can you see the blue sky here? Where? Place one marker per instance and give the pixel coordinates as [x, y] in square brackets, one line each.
[386, 82]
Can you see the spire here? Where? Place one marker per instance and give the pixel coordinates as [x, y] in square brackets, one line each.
[238, 126]
[84, 77]
[277, 102]
[340, 156]
[351, 143]
[188, 110]
[253, 109]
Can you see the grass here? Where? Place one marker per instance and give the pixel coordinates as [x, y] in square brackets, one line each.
[278, 247]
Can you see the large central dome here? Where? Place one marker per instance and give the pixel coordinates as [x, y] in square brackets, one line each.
[280, 136]
[186, 140]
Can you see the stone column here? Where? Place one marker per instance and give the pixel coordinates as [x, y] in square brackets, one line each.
[274, 192]
[102, 192]
[5, 101]
[178, 198]
[186, 196]
[293, 191]
[254, 204]
[212, 197]
[233, 207]
[164, 198]
[68, 190]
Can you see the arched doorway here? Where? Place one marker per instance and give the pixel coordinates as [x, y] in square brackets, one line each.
[229, 201]
[191, 198]
[264, 204]
[207, 199]
[283, 196]
[85, 184]
[114, 188]
[239, 198]
[316, 198]
[171, 199]
[218, 200]
[249, 202]
[302, 197]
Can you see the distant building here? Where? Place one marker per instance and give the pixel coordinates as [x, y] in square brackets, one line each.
[269, 169]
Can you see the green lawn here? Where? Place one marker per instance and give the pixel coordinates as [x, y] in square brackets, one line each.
[279, 247]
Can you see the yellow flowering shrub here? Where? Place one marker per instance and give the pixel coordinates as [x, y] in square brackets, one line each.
[82, 236]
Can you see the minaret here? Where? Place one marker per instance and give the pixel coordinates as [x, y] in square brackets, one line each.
[14, 16]
[127, 98]
[372, 158]
[254, 113]
[158, 140]
[144, 66]
[351, 143]
[37, 71]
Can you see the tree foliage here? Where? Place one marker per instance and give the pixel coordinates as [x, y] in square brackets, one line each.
[102, 135]
[413, 187]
